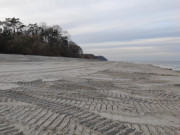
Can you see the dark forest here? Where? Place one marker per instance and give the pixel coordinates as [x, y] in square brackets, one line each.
[34, 39]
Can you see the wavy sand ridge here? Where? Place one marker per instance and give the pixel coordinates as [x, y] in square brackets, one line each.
[56, 96]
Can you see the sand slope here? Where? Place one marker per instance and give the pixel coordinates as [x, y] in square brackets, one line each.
[50, 95]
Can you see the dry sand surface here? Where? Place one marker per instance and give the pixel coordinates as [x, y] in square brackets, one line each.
[64, 96]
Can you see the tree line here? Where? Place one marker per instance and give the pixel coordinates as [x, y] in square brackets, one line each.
[33, 39]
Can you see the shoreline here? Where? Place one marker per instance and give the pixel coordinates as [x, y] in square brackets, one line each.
[164, 66]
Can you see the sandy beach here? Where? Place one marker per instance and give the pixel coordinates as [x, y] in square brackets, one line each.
[68, 96]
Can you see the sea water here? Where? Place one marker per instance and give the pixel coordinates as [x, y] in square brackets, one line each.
[174, 65]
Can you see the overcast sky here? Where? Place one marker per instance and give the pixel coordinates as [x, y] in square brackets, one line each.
[128, 30]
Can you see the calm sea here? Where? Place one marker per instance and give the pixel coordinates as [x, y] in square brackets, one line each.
[174, 65]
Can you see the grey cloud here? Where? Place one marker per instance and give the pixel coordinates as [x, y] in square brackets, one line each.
[115, 35]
